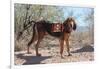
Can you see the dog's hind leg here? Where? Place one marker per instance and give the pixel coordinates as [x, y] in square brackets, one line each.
[32, 39]
[40, 37]
[28, 46]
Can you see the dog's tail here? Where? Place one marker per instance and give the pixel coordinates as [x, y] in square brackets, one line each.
[33, 35]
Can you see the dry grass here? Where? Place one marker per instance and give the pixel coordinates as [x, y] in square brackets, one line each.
[81, 50]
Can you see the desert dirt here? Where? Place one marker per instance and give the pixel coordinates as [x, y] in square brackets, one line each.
[50, 52]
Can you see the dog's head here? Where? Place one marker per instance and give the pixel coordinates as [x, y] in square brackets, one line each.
[69, 24]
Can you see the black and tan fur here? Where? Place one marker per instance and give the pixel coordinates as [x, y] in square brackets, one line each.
[42, 27]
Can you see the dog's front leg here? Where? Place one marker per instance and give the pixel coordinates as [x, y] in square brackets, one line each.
[61, 46]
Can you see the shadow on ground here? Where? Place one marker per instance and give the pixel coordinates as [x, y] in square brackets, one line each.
[32, 59]
[84, 49]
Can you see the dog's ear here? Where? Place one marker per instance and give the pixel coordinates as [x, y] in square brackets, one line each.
[74, 26]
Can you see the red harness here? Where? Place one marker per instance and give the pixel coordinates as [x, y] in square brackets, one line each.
[57, 27]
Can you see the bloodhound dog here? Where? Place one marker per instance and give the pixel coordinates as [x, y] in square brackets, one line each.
[40, 28]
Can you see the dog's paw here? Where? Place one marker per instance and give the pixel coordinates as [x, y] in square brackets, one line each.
[29, 53]
[38, 54]
[62, 57]
[69, 54]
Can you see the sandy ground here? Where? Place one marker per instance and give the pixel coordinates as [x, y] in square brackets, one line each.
[50, 54]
